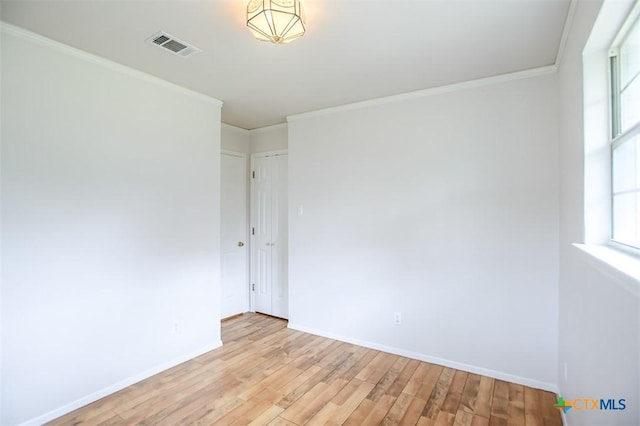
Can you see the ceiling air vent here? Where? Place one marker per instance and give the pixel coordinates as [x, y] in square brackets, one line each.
[172, 44]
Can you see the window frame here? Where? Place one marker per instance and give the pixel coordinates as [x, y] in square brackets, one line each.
[617, 137]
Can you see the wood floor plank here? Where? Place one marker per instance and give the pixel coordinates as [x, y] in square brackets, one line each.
[416, 380]
[213, 415]
[425, 421]
[429, 382]
[279, 421]
[301, 411]
[105, 417]
[367, 357]
[353, 387]
[358, 416]
[327, 413]
[463, 418]
[378, 366]
[324, 348]
[114, 420]
[387, 379]
[398, 410]
[454, 395]
[483, 401]
[337, 356]
[276, 380]
[245, 412]
[444, 419]
[403, 378]
[532, 412]
[500, 402]
[470, 393]
[550, 414]
[480, 421]
[267, 374]
[413, 412]
[515, 412]
[336, 411]
[349, 405]
[438, 395]
[381, 369]
[265, 417]
[497, 421]
[304, 388]
[341, 370]
[379, 410]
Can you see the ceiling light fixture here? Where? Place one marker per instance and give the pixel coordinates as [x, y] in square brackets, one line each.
[277, 21]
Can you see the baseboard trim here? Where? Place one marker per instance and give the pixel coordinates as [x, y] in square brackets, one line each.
[563, 417]
[65, 409]
[537, 384]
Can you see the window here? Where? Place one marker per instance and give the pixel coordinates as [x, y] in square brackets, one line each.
[625, 133]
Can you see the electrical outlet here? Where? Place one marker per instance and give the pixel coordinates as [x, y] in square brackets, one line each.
[175, 327]
[397, 318]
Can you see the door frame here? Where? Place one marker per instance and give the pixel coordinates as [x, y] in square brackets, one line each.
[252, 303]
[245, 237]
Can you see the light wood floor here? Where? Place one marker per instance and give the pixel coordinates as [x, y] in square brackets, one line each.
[266, 374]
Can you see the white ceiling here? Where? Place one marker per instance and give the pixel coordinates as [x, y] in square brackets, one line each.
[353, 50]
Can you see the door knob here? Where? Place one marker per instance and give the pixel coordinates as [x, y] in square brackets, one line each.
[240, 244]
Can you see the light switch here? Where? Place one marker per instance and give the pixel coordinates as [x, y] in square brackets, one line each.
[300, 210]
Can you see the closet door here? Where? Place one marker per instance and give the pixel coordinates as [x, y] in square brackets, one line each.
[269, 234]
[235, 260]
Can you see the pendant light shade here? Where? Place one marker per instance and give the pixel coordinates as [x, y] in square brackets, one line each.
[277, 21]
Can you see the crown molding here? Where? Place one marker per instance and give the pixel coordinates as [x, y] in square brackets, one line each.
[23, 34]
[466, 85]
[268, 128]
[236, 129]
[568, 23]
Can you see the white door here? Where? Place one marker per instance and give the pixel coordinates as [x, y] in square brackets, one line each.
[269, 234]
[233, 222]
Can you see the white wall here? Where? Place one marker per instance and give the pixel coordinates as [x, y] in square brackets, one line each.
[599, 354]
[272, 138]
[110, 226]
[235, 139]
[443, 208]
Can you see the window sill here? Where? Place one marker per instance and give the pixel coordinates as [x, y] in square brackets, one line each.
[624, 268]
